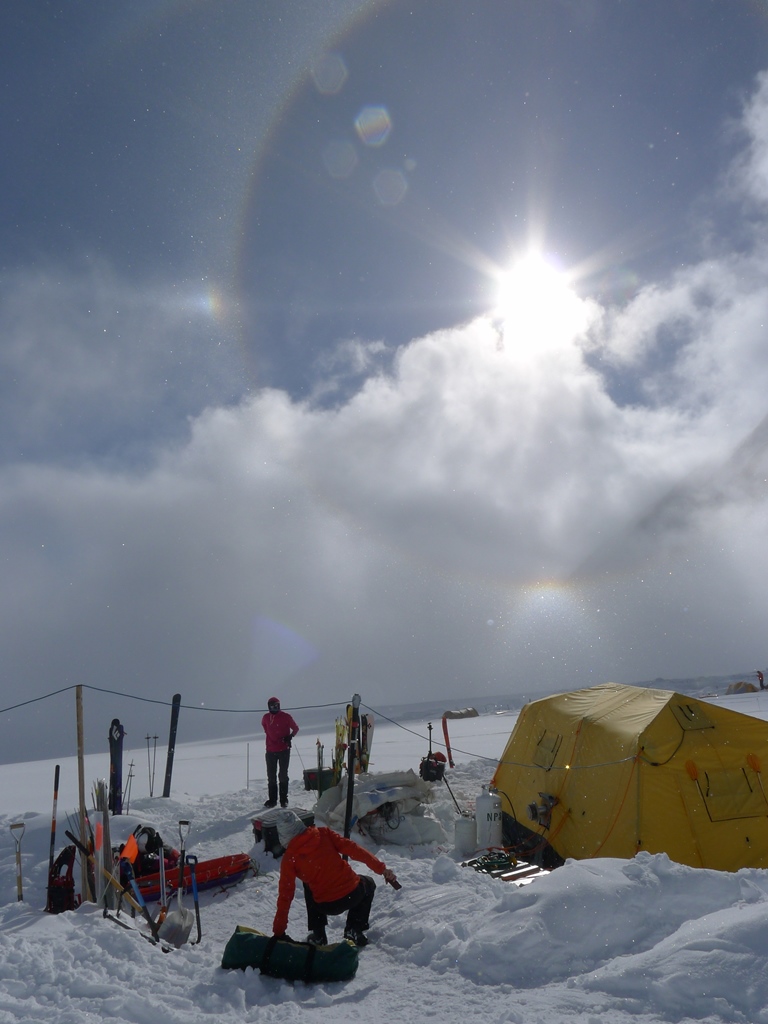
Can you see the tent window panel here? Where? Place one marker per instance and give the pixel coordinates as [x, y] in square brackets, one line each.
[691, 716]
[546, 749]
[728, 794]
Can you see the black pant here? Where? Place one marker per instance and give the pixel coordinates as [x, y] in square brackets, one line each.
[277, 761]
[357, 903]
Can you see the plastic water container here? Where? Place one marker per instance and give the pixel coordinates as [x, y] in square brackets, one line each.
[488, 814]
[465, 835]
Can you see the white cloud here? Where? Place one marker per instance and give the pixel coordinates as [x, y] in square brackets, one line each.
[751, 169]
[697, 342]
[317, 551]
[92, 365]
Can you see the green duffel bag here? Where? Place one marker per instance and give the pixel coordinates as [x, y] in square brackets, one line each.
[284, 958]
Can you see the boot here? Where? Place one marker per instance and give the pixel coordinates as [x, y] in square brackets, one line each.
[355, 937]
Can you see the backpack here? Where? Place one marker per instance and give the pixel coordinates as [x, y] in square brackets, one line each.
[148, 839]
[61, 884]
[432, 767]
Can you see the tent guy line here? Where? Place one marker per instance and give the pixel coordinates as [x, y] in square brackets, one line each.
[234, 711]
[165, 703]
[306, 707]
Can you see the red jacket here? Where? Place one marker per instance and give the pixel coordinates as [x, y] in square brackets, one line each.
[314, 857]
[277, 727]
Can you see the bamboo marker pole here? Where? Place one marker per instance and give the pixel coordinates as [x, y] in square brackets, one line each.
[84, 887]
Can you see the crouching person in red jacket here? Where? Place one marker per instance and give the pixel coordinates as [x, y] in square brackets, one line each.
[315, 857]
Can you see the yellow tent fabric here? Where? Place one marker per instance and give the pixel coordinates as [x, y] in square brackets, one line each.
[640, 769]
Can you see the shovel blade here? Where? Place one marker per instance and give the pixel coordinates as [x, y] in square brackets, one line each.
[177, 927]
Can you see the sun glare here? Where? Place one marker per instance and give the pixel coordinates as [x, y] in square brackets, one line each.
[537, 307]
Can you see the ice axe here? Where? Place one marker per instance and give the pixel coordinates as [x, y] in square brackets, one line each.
[177, 926]
[17, 831]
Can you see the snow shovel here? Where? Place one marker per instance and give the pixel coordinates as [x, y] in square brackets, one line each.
[177, 926]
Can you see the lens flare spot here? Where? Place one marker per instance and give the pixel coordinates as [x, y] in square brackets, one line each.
[340, 159]
[373, 125]
[390, 187]
[329, 73]
[279, 651]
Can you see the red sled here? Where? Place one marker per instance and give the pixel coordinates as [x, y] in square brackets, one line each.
[210, 873]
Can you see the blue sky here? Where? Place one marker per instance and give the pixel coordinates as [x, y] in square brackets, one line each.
[263, 423]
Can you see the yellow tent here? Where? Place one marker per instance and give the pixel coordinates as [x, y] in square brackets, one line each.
[610, 770]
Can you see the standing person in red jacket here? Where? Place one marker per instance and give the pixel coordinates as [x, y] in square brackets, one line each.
[280, 729]
[316, 857]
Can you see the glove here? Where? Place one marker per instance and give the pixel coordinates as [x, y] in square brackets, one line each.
[287, 739]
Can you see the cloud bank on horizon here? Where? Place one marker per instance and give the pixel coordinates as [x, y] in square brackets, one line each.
[485, 515]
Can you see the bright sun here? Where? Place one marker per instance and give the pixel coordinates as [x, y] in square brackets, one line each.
[538, 308]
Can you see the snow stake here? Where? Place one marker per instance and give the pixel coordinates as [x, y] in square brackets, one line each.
[17, 831]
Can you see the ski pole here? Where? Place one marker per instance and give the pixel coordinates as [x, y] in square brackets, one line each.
[18, 836]
[53, 836]
[128, 789]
